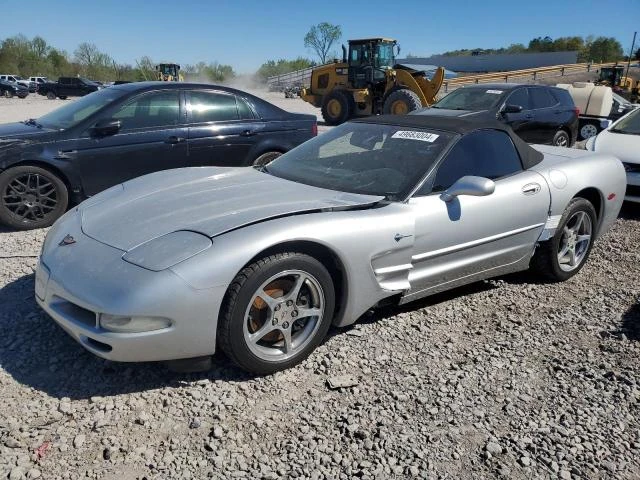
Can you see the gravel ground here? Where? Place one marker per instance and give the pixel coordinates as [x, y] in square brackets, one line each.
[508, 378]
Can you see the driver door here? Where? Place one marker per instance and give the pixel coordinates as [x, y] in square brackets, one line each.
[470, 237]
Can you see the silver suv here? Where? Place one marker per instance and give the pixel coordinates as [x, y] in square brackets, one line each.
[18, 79]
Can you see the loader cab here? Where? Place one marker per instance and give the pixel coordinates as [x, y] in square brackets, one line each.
[168, 72]
[611, 76]
[368, 61]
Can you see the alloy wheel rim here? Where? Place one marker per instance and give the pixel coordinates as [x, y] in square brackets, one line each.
[30, 197]
[561, 141]
[334, 107]
[575, 241]
[283, 316]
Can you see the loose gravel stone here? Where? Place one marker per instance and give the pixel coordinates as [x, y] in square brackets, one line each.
[508, 378]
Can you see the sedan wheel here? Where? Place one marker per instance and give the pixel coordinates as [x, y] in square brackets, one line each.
[276, 311]
[266, 158]
[31, 197]
[565, 254]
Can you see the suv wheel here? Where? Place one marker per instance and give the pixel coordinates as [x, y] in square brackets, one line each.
[561, 139]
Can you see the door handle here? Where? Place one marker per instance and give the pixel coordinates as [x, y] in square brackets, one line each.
[247, 133]
[173, 139]
[531, 188]
[528, 116]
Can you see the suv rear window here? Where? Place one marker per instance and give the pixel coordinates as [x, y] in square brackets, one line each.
[563, 96]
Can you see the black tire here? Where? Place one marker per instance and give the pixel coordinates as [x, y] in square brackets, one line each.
[8, 94]
[24, 206]
[545, 261]
[588, 130]
[561, 139]
[51, 95]
[240, 297]
[401, 102]
[337, 107]
[63, 97]
[266, 158]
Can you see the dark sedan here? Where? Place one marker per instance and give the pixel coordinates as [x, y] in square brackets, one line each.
[10, 89]
[125, 131]
[537, 113]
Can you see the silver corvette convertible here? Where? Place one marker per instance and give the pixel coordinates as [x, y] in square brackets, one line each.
[261, 261]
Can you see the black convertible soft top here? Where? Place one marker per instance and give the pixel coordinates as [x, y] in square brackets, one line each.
[461, 126]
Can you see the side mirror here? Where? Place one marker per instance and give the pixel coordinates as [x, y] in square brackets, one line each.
[105, 127]
[397, 50]
[469, 185]
[512, 109]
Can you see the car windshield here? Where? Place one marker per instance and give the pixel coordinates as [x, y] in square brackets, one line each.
[75, 112]
[629, 124]
[471, 99]
[366, 158]
[18, 77]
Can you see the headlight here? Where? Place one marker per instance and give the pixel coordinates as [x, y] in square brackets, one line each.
[166, 251]
[121, 324]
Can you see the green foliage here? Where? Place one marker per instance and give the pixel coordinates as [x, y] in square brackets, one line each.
[601, 49]
[21, 56]
[272, 67]
[211, 72]
[320, 38]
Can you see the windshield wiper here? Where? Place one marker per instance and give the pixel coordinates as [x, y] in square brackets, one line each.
[32, 121]
[625, 132]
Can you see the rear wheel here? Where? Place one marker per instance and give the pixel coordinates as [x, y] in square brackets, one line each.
[266, 158]
[8, 94]
[51, 95]
[401, 102]
[63, 97]
[31, 197]
[337, 107]
[588, 130]
[276, 312]
[561, 257]
[561, 139]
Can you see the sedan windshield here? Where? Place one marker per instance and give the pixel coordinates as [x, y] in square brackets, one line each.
[471, 99]
[365, 158]
[629, 124]
[75, 112]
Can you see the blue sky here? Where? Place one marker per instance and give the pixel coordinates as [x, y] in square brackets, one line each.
[245, 33]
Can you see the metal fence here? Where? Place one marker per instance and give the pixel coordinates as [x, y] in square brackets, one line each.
[299, 77]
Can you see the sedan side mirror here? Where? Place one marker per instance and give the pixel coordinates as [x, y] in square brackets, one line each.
[469, 185]
[106, 126]
[512, 109]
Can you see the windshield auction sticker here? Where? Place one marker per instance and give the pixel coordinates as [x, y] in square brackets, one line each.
[495, 92]
[412, 135]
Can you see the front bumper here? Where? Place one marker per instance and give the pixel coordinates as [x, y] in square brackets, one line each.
[633, 187]
[77, 282]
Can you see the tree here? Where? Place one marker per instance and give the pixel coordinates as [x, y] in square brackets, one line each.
[601, 49]
[271, 67]
[320, 38]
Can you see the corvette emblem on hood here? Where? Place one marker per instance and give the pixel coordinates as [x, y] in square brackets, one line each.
[68, 240]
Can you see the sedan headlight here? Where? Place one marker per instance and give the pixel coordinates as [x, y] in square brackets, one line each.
[122, 324]
[166, 251]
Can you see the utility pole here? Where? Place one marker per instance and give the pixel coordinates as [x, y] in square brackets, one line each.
[633, 44]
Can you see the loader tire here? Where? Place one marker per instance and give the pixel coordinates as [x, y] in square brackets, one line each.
[401, 102]
[337, 107]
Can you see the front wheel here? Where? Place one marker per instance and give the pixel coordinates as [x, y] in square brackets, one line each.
[8, 94]
[561, 257]
[276, 312]
[401, 102]
[31, 197]
[51, 95]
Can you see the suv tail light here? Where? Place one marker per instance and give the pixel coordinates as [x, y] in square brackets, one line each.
[314, 129]
[577, 110]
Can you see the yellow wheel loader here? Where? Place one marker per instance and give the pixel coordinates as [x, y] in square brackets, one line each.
[169, 72]
[368, 82]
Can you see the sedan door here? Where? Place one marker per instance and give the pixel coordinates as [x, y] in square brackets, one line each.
[150, 139]
[473, 237]
[222, 128]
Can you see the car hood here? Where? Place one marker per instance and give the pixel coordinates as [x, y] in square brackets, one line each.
[443, 112]
[624, 146]
[12, 131]
[208, 200]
